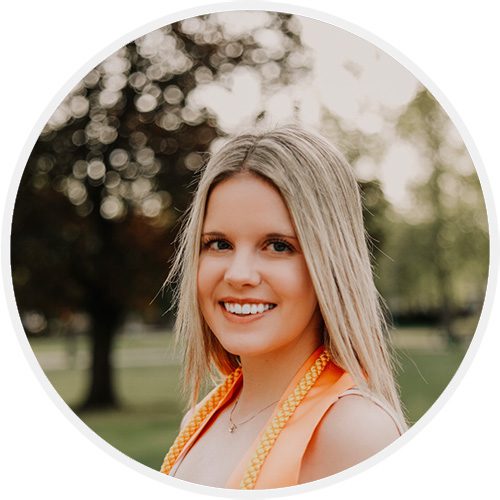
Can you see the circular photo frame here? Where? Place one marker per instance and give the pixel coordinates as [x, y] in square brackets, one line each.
[98, 213]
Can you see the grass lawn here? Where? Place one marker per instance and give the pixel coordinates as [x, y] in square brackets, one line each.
[423, 377]
[150, 407]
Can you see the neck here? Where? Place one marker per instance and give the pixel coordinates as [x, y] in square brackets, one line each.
[277, 367]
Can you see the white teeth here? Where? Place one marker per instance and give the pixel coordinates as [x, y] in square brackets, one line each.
[246, 309]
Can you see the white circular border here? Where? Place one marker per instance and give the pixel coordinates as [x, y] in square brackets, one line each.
[367, 36]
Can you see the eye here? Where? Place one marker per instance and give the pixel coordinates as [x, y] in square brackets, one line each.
[280, 246]
[216, 244]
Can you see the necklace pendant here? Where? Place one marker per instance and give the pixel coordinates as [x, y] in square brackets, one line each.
[232, 428]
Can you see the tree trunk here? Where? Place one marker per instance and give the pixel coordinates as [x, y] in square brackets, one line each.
[101, 390]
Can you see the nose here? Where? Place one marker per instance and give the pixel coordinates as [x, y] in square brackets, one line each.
[242, 270]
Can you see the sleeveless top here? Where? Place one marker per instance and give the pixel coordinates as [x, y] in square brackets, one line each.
[282, 465]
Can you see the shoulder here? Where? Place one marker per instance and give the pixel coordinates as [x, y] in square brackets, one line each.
[352, 430]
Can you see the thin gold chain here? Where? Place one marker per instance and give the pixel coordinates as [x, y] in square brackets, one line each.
[272, 432]
[233, 427]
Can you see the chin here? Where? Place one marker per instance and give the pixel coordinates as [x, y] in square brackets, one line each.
[244, 349]
[249, 345]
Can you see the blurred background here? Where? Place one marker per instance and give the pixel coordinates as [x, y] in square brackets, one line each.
[98, 205]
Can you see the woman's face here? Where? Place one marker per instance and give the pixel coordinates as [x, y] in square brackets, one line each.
[254, 289]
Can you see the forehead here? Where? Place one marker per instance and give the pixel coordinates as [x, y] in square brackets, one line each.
[246, 199]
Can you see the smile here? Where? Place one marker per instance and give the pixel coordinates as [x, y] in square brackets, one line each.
[246, 309]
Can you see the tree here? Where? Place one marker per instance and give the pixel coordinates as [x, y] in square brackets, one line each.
[447, 240]
[96, 211]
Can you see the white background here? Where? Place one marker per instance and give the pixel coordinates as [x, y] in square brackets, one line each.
[45, 44]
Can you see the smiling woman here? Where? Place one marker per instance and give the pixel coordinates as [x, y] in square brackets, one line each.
[276, 293]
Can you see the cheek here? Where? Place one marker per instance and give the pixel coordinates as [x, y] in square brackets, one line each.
[295, 283]
[203, 281]
[208, 277]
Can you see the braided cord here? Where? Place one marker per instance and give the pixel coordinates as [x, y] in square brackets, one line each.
[278, 423]
[197, 419]
[271, 434]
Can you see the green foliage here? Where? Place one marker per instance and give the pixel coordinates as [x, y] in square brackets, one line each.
[99, 203]
[97, 209]
[437, 260]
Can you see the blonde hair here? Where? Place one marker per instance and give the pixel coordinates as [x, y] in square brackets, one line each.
[322, 195]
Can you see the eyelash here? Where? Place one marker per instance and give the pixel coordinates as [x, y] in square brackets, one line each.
[205, 245]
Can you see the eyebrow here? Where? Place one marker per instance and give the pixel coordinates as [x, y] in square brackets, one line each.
[268, 235]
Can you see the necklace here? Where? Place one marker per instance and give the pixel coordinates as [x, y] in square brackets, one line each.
[233, 427]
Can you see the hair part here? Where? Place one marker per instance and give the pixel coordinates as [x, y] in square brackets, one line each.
[323, 198]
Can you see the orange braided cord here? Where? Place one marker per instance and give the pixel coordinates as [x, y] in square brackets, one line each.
[279, 421]
[195, 422]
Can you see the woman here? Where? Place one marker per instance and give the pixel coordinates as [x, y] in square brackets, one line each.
[276, 293]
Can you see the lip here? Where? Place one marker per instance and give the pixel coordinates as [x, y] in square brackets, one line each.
[233, 318]
[247, 300]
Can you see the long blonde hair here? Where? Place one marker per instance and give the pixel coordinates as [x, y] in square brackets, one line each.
[323, 198]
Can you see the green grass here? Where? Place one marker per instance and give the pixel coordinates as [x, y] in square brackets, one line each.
[148, 418]
[423, 377]
[147, 421]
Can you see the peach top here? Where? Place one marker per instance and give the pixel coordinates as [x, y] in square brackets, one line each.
[282, 466]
